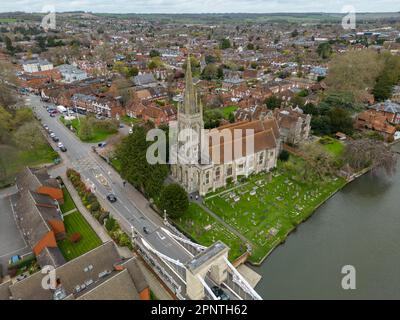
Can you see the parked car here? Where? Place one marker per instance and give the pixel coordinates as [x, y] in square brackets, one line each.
[63, 149]
[55, 139]
[102, 144]
[52, 135]
[130, 131]
[220, 293]
[145, 230]
[112, 198]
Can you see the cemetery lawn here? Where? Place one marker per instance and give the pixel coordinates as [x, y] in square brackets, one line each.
[204, 229]
[268, 206]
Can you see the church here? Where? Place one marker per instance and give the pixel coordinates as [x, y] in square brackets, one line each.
[204, 177]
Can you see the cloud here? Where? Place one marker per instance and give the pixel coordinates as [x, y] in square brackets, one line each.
[201, 6]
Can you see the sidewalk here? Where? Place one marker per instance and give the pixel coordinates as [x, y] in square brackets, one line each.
[97, 227]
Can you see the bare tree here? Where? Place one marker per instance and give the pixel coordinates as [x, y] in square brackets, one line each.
[360, 154]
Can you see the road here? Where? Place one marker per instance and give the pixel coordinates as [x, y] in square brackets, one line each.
[132, 209]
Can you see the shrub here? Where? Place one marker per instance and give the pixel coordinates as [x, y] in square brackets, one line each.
[284, 155]
[75, 237]
[111, 223]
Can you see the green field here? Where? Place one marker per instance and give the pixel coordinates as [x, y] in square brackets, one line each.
[75, 222]
[264, 209]
[204, 229]
[7, 20]
[68, 204]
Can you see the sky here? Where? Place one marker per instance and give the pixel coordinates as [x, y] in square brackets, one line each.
[201, 6]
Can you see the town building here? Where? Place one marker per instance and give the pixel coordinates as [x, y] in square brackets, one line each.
[32, 66]
[38, 216]
[294, 125]
[100, 274]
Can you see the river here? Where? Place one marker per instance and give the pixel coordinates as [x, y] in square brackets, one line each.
[359, 226]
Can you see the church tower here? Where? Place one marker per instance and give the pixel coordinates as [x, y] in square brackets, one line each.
[190, 115]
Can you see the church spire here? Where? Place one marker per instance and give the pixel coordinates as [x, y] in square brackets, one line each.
[190, 100]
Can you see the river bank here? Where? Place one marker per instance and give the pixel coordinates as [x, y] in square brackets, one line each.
[359, 226]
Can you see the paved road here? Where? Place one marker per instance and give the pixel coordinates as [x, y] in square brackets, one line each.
[131, 209]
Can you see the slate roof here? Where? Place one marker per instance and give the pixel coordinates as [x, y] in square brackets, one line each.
[50, 257]
[144, 79]
[95, 270]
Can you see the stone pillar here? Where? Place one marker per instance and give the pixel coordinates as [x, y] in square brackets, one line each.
[194, 288]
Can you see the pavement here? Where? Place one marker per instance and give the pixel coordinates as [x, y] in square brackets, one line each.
[11, 240]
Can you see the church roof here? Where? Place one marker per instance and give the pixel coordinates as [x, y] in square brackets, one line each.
[265, 135]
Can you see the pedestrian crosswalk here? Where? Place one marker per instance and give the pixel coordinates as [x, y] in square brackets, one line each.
[84, 164]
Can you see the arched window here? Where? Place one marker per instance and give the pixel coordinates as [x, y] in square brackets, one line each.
[218, 174]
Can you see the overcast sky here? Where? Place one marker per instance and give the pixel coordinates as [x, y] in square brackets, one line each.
[201, 6]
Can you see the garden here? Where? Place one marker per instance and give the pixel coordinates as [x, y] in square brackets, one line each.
[80, 237]
[90, 129]
[92, 204]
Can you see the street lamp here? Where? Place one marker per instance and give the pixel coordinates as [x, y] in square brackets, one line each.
[165, 217]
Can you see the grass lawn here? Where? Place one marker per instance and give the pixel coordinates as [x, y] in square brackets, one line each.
[129, 121]
[98, 135]
[267, 207]
[204, 229]
[333, 146]
[68, 204]
[75, 222]
[116, 164]
[228, 110]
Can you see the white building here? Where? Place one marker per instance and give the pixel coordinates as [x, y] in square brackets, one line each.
[32, 66]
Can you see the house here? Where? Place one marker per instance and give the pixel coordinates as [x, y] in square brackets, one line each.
[376, 121]
[396, 94]
[100, 274]
[38, 215]
[294, 125]
[389, 109]
[144, 79]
